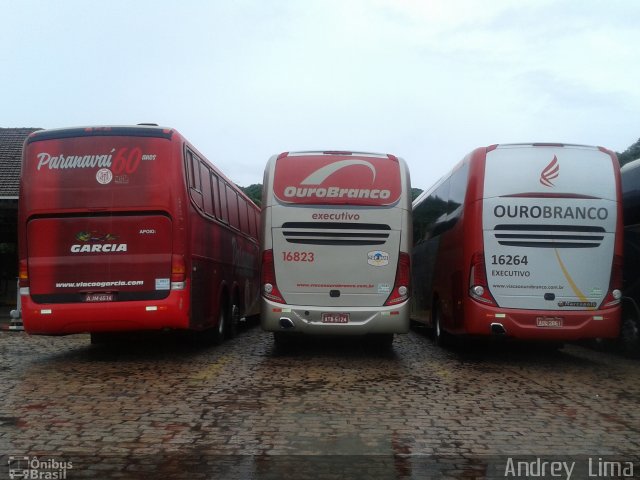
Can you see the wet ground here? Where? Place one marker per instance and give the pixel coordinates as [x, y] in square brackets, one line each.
[164, 406]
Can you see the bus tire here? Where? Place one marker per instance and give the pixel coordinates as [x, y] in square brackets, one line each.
[220, 329]
[234, 321]
[630, 334]
[442, 338]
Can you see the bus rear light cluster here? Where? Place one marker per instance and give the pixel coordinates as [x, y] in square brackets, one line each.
[269, 287]
[614, 295]
[478, 288]
[23, 274]
[400, 291]
[178, 268]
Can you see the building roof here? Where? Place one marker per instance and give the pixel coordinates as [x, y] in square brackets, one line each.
[11, 141]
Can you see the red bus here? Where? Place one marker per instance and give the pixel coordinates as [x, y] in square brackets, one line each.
[630, 323]
[131, 228]
[523, 241]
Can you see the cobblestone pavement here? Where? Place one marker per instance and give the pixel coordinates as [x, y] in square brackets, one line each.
[162, 406]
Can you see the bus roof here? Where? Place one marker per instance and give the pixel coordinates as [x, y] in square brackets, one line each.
[104, 131]
[545, 144]
[633, 165]
[308, 153]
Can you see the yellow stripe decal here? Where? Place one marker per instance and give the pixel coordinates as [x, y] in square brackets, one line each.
[573, 285]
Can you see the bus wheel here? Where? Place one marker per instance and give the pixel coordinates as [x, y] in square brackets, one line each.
[234, 322]
[630, 335]
[220, 330]
[442, 338]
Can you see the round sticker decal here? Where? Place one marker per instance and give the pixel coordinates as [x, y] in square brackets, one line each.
[104, 176]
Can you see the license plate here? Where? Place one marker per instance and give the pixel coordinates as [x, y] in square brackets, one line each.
[549, 322]
[99, 297]
[335, 318]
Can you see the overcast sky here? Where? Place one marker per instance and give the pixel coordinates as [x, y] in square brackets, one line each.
[425, 80]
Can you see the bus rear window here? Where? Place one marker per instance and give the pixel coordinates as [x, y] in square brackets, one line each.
[96, 171]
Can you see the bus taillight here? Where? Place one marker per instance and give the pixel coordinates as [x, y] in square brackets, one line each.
[178, 268]
[23, 274]
[478, 288]
[615, 289]
[400, 290]
[269, 286]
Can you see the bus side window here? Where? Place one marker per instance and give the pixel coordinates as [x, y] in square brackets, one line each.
[252, 221]
[215, 195]
[419, 223]
[258, 219]
[457, 190]
[436, 207]
[232, 205]
[193, 172]
[242, 210]
[631, 181]
[224, 212]
[441, 208]
[205, 176]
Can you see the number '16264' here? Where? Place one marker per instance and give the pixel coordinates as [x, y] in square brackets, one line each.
[509, 260]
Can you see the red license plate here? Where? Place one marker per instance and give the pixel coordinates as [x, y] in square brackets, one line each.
[549, 322]
[335, 318]
[98, 297]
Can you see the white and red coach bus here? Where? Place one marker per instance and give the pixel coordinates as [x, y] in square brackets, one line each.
[336, 239]
[522, 241]
[131, 228]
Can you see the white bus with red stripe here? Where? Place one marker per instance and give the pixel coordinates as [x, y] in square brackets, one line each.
[523, 241]
[336, 239]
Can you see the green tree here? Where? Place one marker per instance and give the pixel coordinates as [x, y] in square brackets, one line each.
[254, 192]
[630, 154]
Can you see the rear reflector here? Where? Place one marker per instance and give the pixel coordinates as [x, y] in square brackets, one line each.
[178, 268]
[400, 291]
[478, 288]
[614, 295]
[269, 287]
[23, 274]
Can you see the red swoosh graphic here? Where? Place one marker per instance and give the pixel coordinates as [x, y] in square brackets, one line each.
[550, 172]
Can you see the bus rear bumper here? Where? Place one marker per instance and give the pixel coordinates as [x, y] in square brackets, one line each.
[276, 317]
[70, 318]
[545, 326]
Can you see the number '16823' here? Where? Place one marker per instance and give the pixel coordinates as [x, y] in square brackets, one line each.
[298, 257]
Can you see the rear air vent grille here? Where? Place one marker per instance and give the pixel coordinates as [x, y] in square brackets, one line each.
[325, 233]
[549, 236]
